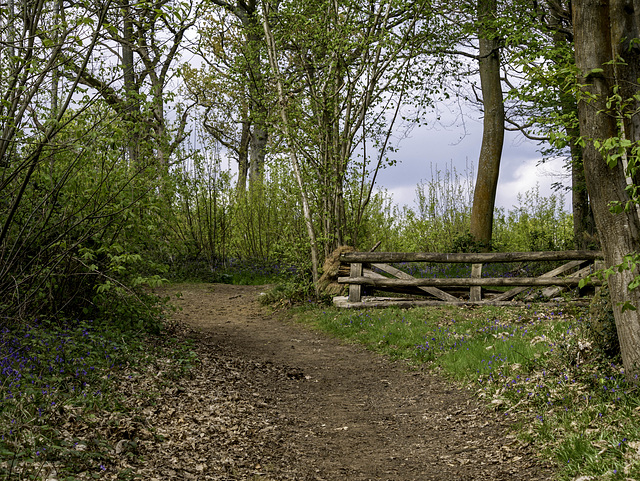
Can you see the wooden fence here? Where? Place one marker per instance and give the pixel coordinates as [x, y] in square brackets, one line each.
[373, 269]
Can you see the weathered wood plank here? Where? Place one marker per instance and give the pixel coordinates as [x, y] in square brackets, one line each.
[465, 281]
[343, 301]
[553, 291]
[377, 302]
[355, 290]
[474, 257]
[475, 292]
[434, 291]
[552, 273]
[370, 273]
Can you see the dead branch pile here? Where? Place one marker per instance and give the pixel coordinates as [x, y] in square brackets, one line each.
[331, 270]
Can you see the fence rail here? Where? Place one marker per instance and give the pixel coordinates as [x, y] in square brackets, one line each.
[470, 258]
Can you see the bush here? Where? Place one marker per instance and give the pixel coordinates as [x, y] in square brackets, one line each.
[465, 243]
[293, 289]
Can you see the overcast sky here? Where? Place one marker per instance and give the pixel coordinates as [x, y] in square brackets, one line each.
[444, 146]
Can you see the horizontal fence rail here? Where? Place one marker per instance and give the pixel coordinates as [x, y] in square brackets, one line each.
[466, 281]
[470, 258]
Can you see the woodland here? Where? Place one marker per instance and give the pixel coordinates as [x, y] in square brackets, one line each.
[240, 141]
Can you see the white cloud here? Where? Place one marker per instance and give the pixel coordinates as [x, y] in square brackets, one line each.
[403, 194]
[526, 176]
[518, 181]
[520, 169]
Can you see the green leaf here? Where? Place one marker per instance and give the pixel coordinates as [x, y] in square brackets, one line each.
[627, 306]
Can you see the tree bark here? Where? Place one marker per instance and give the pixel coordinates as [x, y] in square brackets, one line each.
[243, 157]
[625, 34]
[597, 36]
[583, 225]
[258, 115]
[131, 94]
[493, 126]
[584, 233]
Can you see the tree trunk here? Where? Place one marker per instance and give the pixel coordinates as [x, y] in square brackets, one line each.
[625, 34]
[258, 114]
[257, 118]
[243, 157]
[258, 146]
[493, 126]
[584, 233]
[295, 164]
[132, 108]
[583, 225]
[593, 21]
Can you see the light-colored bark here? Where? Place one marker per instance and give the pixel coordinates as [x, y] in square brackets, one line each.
[257, 114]
[293, 156]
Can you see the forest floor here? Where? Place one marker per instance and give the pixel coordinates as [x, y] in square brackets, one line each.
[274, 400]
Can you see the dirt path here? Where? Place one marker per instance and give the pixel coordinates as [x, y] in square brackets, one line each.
[277, 401]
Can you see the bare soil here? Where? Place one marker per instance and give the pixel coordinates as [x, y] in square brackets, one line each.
[274, 400]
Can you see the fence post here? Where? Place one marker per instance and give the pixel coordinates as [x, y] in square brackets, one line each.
[598, 265]
[355, 290]
[475, 292]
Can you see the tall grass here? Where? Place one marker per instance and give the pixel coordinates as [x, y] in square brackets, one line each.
[536, 223]
[442, 211]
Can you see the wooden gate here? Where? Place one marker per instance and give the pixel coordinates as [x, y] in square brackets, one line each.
[374, 269]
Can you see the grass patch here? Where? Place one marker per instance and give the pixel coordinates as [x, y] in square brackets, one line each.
[534, 364]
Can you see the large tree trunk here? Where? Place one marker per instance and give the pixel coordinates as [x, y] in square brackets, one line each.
[625, 34]
[583, 225]
[243, 157]
[258, 146]
[493, 126]
[619, 233]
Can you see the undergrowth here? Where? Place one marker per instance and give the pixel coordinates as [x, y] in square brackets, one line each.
[229, 271]
[58, 381]
[536, 365]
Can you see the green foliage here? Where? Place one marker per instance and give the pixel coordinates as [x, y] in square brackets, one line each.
[537, 223]
[440, 220]
[290, 290]
[466, 243]
[65, 245]
[442, 212]
[215, 225]
[380, 218]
